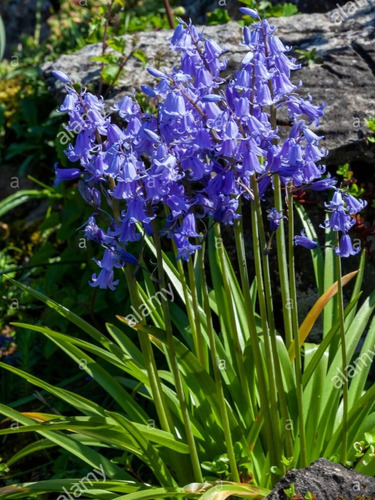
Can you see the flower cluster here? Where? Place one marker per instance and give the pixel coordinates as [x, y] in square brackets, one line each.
[211, 137]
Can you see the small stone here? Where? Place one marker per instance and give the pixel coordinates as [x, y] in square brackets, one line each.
[328, 481]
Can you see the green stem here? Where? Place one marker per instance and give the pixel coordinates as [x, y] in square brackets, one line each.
[38, 21]
[254, 339]
[188, 304]
[297, 346]
[281, 241]
[271, 322]
[280, 234]
[233, 326]
[164, 416]
[157, 393]
[283, 264]
[217, 375]
[189, 307]
[340, 300]
[173, 359]
[275, 449]
[200, 343]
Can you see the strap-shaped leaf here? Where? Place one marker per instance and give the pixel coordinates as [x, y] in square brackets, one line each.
[316, 311]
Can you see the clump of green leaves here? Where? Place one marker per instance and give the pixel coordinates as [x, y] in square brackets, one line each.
[291, 493]
[219, 467]
[348, 177]
[4, 469]
[218, 16]
[365, 449]
[308, 57]
[371, 126]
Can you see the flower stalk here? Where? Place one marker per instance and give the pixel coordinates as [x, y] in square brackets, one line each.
[296, 339]
[253, 335]
[200, 345]
[217, 375]
[234, 329]
[345, 387]
[173, 359]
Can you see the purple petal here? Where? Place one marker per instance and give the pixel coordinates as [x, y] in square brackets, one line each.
[61, 76]
[249, 12]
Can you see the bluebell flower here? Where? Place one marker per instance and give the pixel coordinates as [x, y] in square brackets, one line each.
[156, 73]
[128, 231]
[94, 233]
[124, 257]
[127, 107]
[104, 280]
[66, 174]
[324, 184]
[90, 194]
[91, 101]
[70, 103]
[249, 12]
[303, 241]
[188, 226]
[81, 149]
[264, 183]
[61, 76]
[339, 220]
[174, 105]
[226, 210]
[346, 247]
[354, 205]
[115, 134]
[274, 218]
[184, 248]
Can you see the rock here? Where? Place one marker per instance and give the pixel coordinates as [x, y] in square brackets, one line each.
[344, 78]
[328, 481]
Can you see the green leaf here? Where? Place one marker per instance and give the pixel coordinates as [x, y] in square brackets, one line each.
[102, 377]
[41, 444]
[23, 196]
[14, 492]
[140, 55]
[196, 379]
[110, 74]
[317, 309]
[330, 276]
[85, 453]
[117, 43]
[289, 9]
[323, 346]
[69, 315]
[79, 402]
[225, 490]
